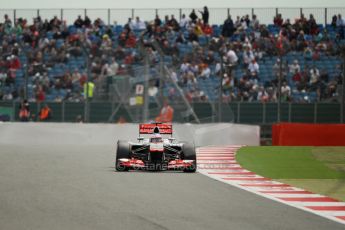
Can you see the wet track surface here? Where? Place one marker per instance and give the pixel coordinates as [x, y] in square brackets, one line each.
[76, 187]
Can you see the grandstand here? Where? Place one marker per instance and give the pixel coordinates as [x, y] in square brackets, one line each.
[49, 60]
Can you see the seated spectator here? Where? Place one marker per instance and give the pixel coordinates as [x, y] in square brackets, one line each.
[253, 68]
[278, 20]
[254, 23]
[207, 29]
[193, 37]
[263, 95]
[228, 27]
[180, 38]
[184, 22]
[7, 20]
[341, 26]
[129, 59]
[87, 22]
[316, 55]
[45, 113]
[331, 90]
[129, 25]
[79, 22]
[40, 94]
[334, 21]
[324, 77]
[198, 28]
[308, 53]
[139, 24]
[231, 56]
[227, 82]
[76, 76]
[131, 40]
[248, 56]
[240, 24]
[294, 67]
[106, 43]
[297, 77]
[285, 92]
[24, 113]
[340, 21]
[314, 75]
[312, 25]
[305, 78]
[287, 24]
[119, 53]
[184, 66]
[166, 20]
[247, 20]
[166, 114]
[246, 43]
[209, 58]
[173, 24]
[157, 21]
[237, 24]
[205, 71]
[149, 32]
[14, 62]
[113, 68]
[276, 71]
[264, 33]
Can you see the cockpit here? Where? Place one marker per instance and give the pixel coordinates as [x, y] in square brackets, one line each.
[156, 140]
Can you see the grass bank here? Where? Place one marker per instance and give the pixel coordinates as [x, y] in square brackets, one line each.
[317, 169]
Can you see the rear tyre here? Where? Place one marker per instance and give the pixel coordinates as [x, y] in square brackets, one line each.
[122, 151]
[189, 154]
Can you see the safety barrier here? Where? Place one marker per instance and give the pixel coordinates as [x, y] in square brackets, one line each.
[237, 112]
[301, 134]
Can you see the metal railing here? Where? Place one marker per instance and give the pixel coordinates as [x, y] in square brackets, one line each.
[217, 15]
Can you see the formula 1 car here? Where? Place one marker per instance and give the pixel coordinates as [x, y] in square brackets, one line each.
[155, 152]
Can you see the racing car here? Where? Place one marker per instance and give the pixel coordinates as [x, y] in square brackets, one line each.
[155, 152]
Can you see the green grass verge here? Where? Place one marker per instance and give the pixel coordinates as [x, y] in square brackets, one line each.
[317, 169]
[334, 188]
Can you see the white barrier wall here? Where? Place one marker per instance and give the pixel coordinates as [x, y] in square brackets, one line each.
[107, 134]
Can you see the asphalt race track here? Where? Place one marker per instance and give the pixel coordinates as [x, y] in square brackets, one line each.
[76, 187]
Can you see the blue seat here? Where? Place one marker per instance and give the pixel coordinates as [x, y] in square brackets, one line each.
[202, 40]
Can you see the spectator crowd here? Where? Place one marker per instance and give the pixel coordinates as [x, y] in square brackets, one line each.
[242, 55]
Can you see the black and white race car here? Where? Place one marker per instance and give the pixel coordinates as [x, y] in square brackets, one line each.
[155, 152]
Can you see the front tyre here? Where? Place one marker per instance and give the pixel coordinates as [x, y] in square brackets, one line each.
[122, 151]
[189, 154]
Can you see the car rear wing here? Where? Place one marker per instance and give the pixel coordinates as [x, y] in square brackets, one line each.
[155, 128]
